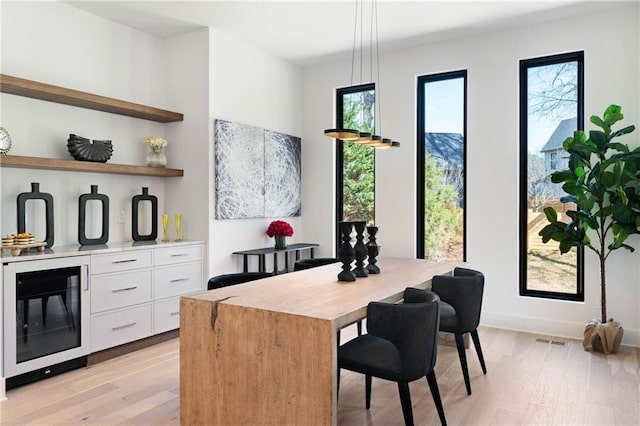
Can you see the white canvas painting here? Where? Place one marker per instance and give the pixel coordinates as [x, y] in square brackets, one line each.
[258, 172]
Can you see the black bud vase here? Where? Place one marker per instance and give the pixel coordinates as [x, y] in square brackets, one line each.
[135, 201]
[346, 253]
[82, 217]
[360, 249]
[373, 249]
[35, 194]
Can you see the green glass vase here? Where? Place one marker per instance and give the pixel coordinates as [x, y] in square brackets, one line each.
[281, 241]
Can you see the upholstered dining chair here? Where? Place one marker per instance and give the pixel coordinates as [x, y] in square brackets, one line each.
[400, 346]
[460, 305]
[237, 278]
[313, 262]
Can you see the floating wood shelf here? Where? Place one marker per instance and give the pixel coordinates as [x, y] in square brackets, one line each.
[85, 166]
[47, 92]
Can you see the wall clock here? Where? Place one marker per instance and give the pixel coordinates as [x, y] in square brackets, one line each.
[5, 141]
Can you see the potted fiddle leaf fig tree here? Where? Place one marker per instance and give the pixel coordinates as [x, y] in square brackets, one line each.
[603, 182]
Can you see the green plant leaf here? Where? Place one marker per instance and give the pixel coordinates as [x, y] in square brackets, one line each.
[551, 214]
[612, 115]
[597, 121]
[599, 139]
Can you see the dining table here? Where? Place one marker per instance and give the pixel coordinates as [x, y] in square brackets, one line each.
[265, 352]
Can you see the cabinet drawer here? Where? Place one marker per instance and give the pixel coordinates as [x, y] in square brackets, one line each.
[121, 326]
[178, 279]
[178, 254]
[120, 290]
[116, 262]
[166, 315]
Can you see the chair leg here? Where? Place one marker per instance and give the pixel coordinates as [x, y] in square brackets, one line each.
[476, 343]
[435, 393]
[44, 301]
[463, 361]
[367, 391]
[360, 328]
[338, 386]
[405, 400]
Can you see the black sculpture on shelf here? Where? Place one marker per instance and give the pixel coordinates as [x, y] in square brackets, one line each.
[373, 249]
[360, 249]
[35, 194]
[346, 253]
[82, 217]
[135, 201]
[84, 149]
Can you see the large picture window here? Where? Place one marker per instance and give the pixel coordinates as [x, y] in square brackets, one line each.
[551, 109]
[442, 118]
[355, 181]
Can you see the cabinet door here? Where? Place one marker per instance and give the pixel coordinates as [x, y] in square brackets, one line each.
[119, 290]
[177, 254]
[122, 261]
[121, 326]
[178, 279]
[166, 315]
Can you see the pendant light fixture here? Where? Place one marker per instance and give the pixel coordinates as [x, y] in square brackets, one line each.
[352, 135]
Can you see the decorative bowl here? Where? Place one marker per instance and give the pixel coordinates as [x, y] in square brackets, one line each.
[83, 149]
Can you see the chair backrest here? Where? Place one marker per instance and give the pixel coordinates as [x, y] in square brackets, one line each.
[463, 291]
[313, 262]
[237, 278]
[412, 327]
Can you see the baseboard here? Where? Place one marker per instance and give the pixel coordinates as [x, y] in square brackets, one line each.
[131, 347]
[567, 329]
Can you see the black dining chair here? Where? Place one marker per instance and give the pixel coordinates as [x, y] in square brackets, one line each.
[226, 280]
[400, 346]
[313, 262]
[460, 305]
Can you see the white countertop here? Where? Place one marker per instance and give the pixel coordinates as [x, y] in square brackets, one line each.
[79, 250]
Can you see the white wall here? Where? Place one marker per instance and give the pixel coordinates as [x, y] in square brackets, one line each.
[610, 41]
[250, 87]
[54, 43]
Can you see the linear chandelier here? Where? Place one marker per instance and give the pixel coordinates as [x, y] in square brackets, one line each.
[352, 135]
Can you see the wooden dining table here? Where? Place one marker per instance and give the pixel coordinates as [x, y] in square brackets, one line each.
[265, 352]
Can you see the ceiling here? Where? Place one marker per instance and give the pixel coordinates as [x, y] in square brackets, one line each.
[306, 32]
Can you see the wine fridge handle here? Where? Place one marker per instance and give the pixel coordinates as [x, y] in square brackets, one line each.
[85, 271]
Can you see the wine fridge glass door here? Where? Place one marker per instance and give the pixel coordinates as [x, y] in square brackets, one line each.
[46, 313]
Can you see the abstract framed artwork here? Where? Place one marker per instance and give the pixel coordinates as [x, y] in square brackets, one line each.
[257, 172]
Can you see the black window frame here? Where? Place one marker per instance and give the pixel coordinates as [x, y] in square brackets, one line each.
[422, 80]
[340, 93]
[525, 64]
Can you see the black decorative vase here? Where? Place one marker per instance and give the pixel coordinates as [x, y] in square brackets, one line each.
[135, 201]
[35, 194]
[373, 249]
[82, 217]
[360, 250]
[346, 253]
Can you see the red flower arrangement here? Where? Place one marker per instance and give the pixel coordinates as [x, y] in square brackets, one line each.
[279, 227]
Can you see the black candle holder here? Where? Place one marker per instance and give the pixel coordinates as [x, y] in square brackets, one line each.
[346, 253]
[360, 250]
[135, 201]
[35, 194]
[82, 217]
[373, 249]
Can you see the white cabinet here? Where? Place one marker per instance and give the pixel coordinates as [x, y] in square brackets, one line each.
[136, 294]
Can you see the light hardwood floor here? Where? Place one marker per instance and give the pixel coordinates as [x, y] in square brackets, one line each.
[529, 382]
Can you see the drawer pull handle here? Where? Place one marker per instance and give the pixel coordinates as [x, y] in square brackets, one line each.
[179, 254]
[179, 279]
[124, 261]
[123, 289]
[174, 313]
[131, 324]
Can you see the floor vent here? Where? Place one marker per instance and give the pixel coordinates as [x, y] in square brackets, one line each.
[555, 342]
[542, 341]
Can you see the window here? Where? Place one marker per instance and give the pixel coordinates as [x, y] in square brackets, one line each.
[442, 123]
[355, 168]
[551, 109]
